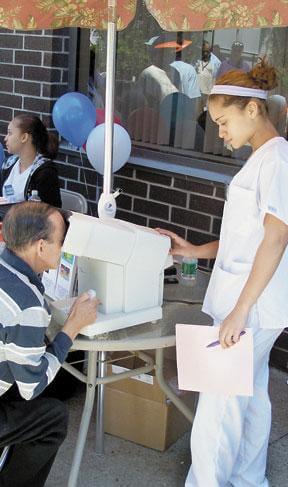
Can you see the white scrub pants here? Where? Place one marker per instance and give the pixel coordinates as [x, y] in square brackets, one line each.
[230, 434]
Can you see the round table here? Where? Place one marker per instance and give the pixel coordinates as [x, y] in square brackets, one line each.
[182, 304]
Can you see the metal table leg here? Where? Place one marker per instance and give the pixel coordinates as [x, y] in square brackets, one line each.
[167, 390]
[85, 420]
[100, 404]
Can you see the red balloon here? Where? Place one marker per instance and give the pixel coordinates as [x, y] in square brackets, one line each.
[100, 118]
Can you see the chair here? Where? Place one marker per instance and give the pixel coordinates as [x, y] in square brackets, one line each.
[73, 201]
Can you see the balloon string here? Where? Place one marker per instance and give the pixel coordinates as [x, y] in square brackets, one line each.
[85, 181]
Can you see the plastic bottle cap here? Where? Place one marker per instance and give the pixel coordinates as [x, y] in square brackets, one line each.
[34, 195]
[91, 293]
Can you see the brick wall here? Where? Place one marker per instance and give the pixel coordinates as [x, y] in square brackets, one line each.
[191, 208]
[33, 72]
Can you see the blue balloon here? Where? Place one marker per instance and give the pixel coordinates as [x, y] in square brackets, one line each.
[2, 155]
[74, 116]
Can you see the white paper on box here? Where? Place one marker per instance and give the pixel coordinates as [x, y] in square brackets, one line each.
[214, 370]
[148, 379]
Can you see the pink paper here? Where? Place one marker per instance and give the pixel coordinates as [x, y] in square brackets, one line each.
[214, 370]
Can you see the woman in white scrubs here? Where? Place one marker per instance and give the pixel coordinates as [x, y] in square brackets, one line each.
[249, 283]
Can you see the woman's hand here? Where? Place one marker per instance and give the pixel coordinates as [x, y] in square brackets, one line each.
[179, 246]
[231, 327]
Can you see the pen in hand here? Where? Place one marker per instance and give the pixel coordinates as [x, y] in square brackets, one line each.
[214, 344]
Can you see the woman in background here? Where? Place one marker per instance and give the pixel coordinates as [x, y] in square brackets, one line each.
[31, 166]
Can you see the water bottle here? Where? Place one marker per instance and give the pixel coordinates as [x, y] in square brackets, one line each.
[189, 268]
[34, 196]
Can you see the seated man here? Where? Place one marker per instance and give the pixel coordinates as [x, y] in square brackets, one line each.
[32, 426]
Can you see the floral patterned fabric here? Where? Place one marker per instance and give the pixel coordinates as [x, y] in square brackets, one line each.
[192, 15]
[172, 15]
[45, 14]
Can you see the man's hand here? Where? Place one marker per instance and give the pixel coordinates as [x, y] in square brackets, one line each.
[82, 313]
[179, 246]
[231, 327]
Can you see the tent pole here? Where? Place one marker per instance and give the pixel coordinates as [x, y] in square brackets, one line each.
[106, 200]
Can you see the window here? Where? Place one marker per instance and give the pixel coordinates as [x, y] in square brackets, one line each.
[163, 80]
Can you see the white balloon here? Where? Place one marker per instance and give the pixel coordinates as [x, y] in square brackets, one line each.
[95, 147]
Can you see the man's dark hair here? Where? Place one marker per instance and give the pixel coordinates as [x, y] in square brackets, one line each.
[28, 222]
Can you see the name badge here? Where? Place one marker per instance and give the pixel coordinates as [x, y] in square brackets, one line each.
[8, 190]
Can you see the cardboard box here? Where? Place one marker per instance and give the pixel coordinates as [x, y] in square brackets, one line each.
[138, 410]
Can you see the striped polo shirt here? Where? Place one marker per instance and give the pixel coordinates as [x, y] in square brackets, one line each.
[24, 357]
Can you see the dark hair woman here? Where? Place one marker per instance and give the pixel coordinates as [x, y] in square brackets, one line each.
[31, 166]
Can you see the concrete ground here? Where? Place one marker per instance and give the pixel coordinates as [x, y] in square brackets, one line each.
[126, 464]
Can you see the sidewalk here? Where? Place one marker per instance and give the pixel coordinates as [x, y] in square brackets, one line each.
[126, 464]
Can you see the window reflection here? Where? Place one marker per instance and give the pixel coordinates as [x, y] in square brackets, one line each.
[163, 80]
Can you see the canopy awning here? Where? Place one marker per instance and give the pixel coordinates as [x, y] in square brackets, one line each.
[188, 15]
[53, 14]
[193, 15]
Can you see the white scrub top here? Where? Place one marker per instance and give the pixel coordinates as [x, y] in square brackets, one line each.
[260, 187]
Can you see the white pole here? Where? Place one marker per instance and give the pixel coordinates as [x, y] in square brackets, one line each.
[109, 100]
[106, 199]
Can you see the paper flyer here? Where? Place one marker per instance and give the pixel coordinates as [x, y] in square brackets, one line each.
[59, 283]
[212, 369]
[66, 276]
